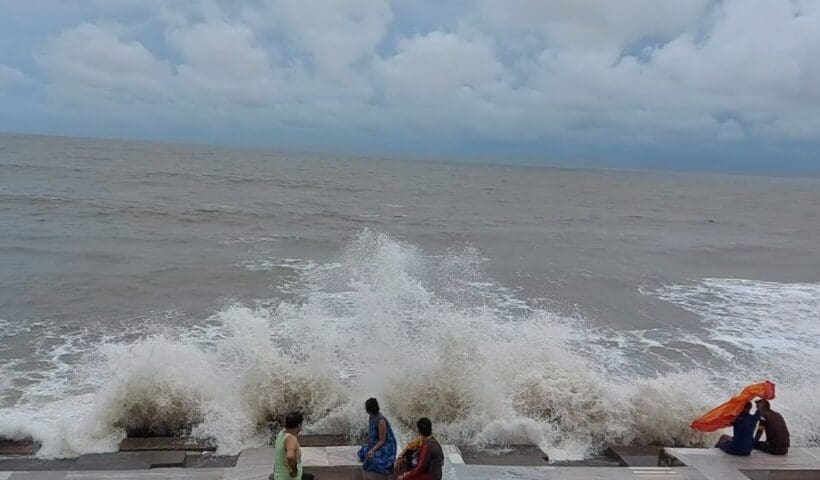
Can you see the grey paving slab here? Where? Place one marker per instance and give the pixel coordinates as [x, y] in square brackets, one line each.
[256, 457]
[494, 472]
[716, 464]
[42, 475]
[155, 474]
[119, 475]
[130, 460]
[208, 460]
[5, 475]
[198, 474]
[660, 473]
[35, 464]
[342, 456]
[250, 472]
[799, 458]
[315, 457]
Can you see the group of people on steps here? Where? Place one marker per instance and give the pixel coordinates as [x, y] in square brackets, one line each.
[421, 459]
[748, 429]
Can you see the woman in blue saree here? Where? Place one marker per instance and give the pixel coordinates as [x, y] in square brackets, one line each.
[379, 455]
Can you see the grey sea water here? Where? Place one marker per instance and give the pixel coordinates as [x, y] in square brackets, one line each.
[104, 244]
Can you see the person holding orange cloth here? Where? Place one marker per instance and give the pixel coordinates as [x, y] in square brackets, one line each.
[742, 441]
[726, 413]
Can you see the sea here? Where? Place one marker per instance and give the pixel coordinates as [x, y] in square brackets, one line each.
[163, 288]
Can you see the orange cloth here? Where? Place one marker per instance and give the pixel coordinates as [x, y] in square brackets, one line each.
[724, 414]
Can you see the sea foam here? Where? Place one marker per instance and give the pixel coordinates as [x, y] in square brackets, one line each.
[429, 336]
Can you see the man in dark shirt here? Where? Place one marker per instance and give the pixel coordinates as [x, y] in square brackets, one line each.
[743, 429]
[777, 434]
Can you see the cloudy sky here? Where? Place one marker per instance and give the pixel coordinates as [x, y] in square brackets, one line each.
[729, 85]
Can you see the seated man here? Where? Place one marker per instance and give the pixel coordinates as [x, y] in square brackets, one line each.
[743, 429]
[287, 454]
[772, 424]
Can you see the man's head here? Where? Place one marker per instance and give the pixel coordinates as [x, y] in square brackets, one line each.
[372, 406]
[747, 408]
[763, 405]
[425, 427]
[294, 420]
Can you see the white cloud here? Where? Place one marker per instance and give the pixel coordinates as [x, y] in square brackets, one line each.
[593, 23]
[94, 57]
[224, 59]
[11, 77]
[336, 34]
[636, 71]
[439, 64]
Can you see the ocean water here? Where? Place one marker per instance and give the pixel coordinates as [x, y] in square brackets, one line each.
[161, 287]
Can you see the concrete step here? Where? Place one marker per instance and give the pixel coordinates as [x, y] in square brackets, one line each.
[635, 456]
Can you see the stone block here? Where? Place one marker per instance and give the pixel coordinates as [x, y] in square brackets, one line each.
[26, 446]
[520, 455]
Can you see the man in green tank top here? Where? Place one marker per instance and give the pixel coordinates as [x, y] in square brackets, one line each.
[287, 455]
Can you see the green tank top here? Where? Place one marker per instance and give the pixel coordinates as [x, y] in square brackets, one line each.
[280, 459]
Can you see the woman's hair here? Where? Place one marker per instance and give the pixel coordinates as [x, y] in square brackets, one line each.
[372, 406]
[425, 426]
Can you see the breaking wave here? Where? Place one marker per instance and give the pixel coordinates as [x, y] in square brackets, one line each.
[427, 335]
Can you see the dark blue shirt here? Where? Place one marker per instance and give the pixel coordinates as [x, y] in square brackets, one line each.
[743, 440]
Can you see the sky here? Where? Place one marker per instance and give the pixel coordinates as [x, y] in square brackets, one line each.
[710, 85]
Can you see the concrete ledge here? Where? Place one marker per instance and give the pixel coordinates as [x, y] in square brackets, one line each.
[31, 464]
[131, 460]
[319, 440]
[716, 464]
[137, 444]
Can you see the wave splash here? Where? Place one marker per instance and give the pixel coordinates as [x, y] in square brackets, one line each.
[426, 335]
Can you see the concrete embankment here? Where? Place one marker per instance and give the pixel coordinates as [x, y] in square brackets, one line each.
[328, 458]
